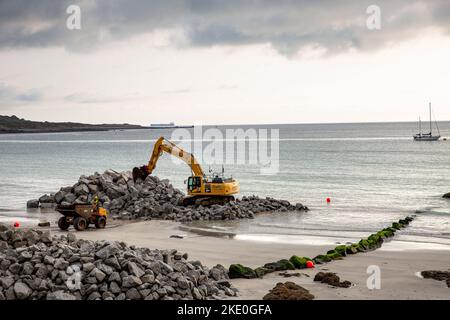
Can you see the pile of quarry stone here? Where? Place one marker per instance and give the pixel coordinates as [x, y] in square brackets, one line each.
[35, 265]
[154, 198]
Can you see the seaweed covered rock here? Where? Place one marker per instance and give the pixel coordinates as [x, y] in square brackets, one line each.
[320, 259]
[352, 249]
[396, 226]
[299, 262]
[261, 271]
[280, 265]
[342, 250]
[333, 255]
[332, 279]
[240, 271]
[288, 291]
[437, 275]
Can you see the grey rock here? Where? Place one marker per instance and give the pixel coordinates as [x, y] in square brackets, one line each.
[81, 189]
[115, 277]
[165, 268]
[148, 278]
[131, 281]
[121, 296]
[49, 260]
[183, 283]
[47, 205]
[71, 237]
[44, 224]
[15, 268]
[94, 296]
[114, 287]
[59, 196]
[34, 203]
[113, 262]
[107, 251]
[70, 198]
[61, 264]
[9, 293]
[60, 295]
[196, 294]
[133, 294]
[98, 274]
[22, 291]
[135, 270]
[6, 281]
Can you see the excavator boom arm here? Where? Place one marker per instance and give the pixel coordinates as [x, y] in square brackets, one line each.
[163, 145]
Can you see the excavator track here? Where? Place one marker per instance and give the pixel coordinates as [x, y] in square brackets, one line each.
[206, 201]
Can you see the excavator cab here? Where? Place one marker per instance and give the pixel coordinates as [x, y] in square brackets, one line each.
[194, 183]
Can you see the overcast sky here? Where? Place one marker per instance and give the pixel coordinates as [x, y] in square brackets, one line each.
[224, 62]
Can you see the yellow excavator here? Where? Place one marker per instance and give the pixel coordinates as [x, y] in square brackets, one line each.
[202, 190]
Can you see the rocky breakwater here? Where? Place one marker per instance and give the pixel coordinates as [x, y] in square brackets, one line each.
[154, 198]
[35, 265]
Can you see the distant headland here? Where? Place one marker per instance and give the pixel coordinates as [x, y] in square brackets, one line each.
[13, 124]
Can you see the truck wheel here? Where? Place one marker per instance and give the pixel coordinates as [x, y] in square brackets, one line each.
[80, 223]
[63, 224]
[100, 223]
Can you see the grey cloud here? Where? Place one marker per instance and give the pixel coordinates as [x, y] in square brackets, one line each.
[95, 97]
[12, 95]
[288, 25]
[85, 98]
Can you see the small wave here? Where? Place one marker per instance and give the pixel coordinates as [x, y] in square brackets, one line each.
[432, 213]
[319, 228]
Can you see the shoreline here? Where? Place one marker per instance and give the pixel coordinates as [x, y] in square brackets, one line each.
[6, 132]
[398, 266]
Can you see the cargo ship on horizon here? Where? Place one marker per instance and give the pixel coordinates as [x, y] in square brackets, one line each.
[170, 125]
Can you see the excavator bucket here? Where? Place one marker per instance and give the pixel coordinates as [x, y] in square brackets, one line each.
[139, 173]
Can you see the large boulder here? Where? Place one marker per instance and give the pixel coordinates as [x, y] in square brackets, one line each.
[46, 199]
[22, 291]
[299, 262]
[70, 198]
[34, 203]
[280, 265]
[240, 271]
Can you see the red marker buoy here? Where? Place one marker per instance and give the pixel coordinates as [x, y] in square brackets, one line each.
[16, 224]
[328, 200]
[309, 264]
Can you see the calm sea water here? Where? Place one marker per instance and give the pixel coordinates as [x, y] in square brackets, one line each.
[374, 174]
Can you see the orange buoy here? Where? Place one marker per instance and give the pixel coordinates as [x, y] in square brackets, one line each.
[328, 200]
[309, 264]
[16, 224]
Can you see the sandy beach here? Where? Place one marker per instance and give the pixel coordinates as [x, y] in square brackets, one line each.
[399, 261]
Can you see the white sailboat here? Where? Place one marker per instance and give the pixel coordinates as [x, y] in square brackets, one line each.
[427, 136]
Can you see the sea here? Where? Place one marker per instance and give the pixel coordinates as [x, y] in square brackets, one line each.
[372, 173]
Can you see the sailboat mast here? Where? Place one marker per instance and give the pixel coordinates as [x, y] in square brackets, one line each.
[430, 122]
[420, 126]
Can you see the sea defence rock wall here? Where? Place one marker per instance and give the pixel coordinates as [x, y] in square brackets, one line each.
[36, 265]
[372, 242]
[154, 198]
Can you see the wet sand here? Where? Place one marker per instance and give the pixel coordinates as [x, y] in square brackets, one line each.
[399, 261]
